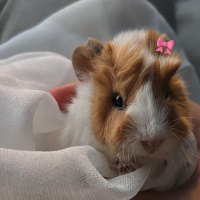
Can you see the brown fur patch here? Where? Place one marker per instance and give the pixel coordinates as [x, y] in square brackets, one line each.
[165, 83]
[117, 72]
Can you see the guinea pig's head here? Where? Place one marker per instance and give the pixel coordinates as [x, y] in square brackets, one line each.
[138, 104]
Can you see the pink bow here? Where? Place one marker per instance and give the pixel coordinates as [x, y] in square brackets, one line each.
[161, 43]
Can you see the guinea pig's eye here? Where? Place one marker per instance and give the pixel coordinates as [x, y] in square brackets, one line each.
[166, 96]
[117, 101]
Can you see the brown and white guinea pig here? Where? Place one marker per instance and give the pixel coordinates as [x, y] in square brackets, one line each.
[131, 106]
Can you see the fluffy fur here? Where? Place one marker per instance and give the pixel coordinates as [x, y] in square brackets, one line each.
[154, 123]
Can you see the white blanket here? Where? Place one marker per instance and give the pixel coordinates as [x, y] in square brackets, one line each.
[73, 173]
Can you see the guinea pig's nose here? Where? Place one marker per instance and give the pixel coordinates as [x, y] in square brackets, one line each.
[151, 145]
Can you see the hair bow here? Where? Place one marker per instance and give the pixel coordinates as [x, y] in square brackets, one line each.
[161, 43]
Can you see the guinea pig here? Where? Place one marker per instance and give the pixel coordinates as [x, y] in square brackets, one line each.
[132, 106]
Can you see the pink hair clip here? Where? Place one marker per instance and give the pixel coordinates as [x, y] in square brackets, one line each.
[161, 43]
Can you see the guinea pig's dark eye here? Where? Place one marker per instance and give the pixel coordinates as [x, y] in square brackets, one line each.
[117, 101]
[166, 96]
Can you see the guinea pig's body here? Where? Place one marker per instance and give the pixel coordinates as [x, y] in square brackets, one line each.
[132, 107]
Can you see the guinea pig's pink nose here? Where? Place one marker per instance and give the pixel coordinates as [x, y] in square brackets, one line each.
[151, 145]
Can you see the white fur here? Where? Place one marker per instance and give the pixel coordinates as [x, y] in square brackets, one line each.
[148, 116]
[135, 38]
[78, 123]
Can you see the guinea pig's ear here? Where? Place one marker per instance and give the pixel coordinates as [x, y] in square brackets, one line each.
[83, 56]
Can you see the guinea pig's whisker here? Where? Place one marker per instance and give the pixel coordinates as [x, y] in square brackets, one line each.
[177, 146]
[120, 153]
[185, 153]
[132, 156]
[181, 148]
[182, 118]
[125, 143]
[113, 166]
[131, 163]
[186, 169]
[171, 122]
[124, 149]
[135, 157]
[130, 160]
[186, 142]
[123, 164]
[129, 124]
[184, 163]
[118, 163]
[132, 124]
[177, 120]
[195, 155]
[180, 138]
[191, 118]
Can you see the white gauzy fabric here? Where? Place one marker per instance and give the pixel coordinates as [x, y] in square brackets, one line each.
[74, 173]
